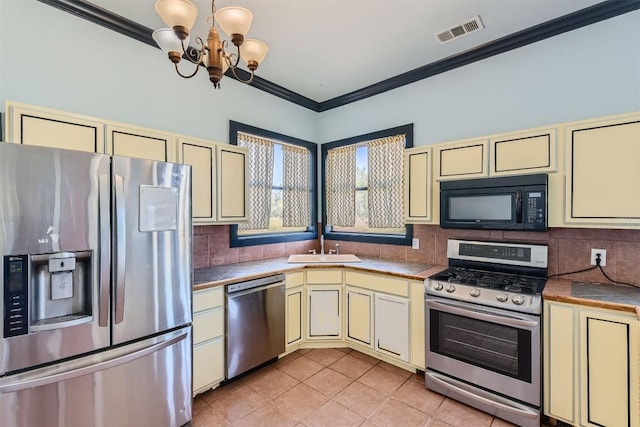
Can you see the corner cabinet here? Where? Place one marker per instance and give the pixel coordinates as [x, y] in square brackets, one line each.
[359, 308]
[592, 365]
[208, 339]
[417, 185]
[219, 176]
[45, 127]
[324, 304]
[603, 172]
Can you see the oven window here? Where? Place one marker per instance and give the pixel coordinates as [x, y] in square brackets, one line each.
[502, 349]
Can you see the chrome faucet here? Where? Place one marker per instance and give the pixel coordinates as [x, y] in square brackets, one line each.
[322, 244]
[335, 251]
[312, 251]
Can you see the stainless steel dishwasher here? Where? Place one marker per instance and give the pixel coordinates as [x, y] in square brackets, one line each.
[255, 323]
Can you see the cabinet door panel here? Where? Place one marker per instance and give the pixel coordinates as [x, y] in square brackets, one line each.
[232, 179]
[294, 316]
[138, 143]
[603, 172]
[392, 326]
[606, 385]
[528, 153]
[324, 313]
[208, 364]
[462, 160]
[208, 325]
[200, 157]
[417, 164]
[417, 325]
[359, 305]
[43, 127]
[559, 372]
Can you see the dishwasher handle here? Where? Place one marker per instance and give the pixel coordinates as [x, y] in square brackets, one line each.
[251, 285]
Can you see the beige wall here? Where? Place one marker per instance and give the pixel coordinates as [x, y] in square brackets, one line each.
[569, 248]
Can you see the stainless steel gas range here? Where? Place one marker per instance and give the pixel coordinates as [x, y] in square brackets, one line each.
[482, 328]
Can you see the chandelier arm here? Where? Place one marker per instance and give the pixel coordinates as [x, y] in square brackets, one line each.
[229, 56]
[184, 76]
[193, 54]
[233, 71]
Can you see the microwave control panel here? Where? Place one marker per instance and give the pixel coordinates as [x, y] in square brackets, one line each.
[535, 209]
[15, 287]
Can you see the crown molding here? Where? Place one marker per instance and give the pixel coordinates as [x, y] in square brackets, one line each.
[590, 15]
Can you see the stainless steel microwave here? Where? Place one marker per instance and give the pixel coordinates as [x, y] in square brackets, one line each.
[503, 203]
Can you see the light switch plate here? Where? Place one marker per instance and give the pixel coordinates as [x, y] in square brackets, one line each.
[415, 244]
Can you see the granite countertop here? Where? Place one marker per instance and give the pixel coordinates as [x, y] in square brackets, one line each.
[600, 295]
[233, 273]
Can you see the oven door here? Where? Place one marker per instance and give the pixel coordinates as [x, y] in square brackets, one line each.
[493, 349]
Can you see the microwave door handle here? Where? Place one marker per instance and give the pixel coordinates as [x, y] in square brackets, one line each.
[519, 207]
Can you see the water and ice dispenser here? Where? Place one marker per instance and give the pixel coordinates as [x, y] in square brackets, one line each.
[46, 291]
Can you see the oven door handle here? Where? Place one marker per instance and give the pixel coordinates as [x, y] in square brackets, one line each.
[470, 312]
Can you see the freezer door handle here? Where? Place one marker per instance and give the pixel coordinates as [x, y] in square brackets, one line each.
[105, 250]
[121, 250]
[44, 377]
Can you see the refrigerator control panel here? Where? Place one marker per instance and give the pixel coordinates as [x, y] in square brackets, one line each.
[15, 287]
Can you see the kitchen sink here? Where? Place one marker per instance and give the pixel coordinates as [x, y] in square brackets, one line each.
[333, 258]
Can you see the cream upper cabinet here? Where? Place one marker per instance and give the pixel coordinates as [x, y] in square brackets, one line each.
[141, 143]
[32, 125]
[524, 152]
[603, 172]
[591, 365]
[359, 309]
[219, 194]
[417, 185]
[458, 160]
[232, 175]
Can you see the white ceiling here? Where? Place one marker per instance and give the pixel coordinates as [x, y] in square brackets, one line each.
[322, 49]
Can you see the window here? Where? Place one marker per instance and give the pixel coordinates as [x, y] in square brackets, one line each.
[364, 189]
[282, 187]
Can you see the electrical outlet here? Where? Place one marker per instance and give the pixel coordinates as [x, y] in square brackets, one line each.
[603, 256]
[415, 244]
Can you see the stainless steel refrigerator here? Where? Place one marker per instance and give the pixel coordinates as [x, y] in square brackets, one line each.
[96, 289]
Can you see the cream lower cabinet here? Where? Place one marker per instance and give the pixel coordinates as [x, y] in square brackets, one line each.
[208, 339]
[359, 309]
[32, 125]
[592, 366]
[219, 180]
[140, 143]
[417, 186]
[416, 301]
[295, 309]
[391, 326]
[603, 172]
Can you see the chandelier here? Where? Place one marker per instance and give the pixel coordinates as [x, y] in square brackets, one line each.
[180, 15]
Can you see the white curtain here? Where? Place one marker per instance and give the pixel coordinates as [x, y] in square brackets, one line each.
[260, 181]
[296, 186]
[341, 186]
[386, 182]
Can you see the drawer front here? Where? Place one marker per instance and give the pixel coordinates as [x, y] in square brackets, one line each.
[294, 279]
[318, 277]
[208, 364]
[209, 298]
[208, 325]
[388, 285]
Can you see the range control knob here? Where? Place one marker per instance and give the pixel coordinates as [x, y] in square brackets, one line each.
[474, 292]
[450, 288]
[517, 299]
[438, 286]
[502, 297]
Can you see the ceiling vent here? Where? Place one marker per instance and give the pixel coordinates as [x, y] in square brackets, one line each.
[460, 30]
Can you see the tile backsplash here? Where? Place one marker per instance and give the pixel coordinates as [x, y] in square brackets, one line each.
[569, 248]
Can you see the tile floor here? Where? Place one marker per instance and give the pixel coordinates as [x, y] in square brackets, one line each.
[333, 387]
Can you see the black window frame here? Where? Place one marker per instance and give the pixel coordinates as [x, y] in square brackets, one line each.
[388, 239]
[236, 241]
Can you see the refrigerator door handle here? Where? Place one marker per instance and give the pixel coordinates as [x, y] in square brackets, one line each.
[105, 249]
[44, 377]
[121, 250]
